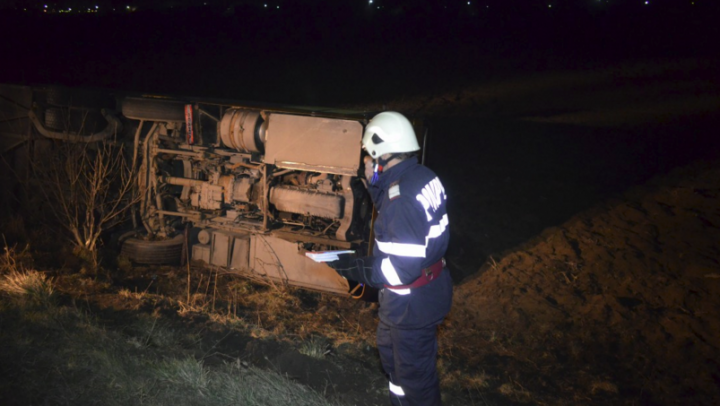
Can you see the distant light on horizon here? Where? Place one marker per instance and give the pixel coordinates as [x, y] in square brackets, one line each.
[658, 7]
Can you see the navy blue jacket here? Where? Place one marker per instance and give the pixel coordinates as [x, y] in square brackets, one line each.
[411, 233]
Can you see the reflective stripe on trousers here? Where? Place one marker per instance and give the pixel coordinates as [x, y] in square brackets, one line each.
[396, 389]
[409, 358]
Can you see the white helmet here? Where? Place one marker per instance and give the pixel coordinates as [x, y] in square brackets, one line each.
[389, 132]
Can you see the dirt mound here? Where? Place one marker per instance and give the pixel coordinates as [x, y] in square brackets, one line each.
[621, 303]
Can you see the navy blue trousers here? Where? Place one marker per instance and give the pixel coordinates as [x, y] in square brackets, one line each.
[409, 358]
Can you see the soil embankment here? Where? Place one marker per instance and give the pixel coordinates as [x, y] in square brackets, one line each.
[620, 302]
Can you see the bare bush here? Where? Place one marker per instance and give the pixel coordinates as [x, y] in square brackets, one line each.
[89, 188]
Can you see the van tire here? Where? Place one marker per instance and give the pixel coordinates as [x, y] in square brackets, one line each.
[153, 110]
[162, 252]
[83, 122]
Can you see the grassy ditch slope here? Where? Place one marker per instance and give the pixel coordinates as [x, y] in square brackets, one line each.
[61, 354]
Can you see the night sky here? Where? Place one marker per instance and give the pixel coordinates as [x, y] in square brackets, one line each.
[312, 48]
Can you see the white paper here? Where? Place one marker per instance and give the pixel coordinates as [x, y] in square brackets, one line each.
[326, 256]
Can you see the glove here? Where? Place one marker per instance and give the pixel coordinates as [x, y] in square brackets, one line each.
[369, 168]
[344, 261]
[354, 268]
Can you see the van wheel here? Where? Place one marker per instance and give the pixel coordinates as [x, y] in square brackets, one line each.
[76, 121]
[153, 110]
[159, 252]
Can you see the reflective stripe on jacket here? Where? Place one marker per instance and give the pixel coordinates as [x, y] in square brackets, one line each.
[411, 233]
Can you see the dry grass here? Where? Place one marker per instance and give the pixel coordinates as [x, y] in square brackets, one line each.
[460, 379]
[14, 260]
[516, 392]
[25, 285]
[33, 284]
[603, 386]
[315, 347]
[127, 294]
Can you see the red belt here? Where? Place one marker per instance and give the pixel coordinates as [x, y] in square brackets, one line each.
[429, 274]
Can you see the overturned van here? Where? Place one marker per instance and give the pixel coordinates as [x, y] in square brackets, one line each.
[246, 188]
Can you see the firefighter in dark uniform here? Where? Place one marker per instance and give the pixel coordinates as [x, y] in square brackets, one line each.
[407, 265]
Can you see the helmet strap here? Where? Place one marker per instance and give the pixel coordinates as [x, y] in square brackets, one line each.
[380, 163]
[384, 162]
